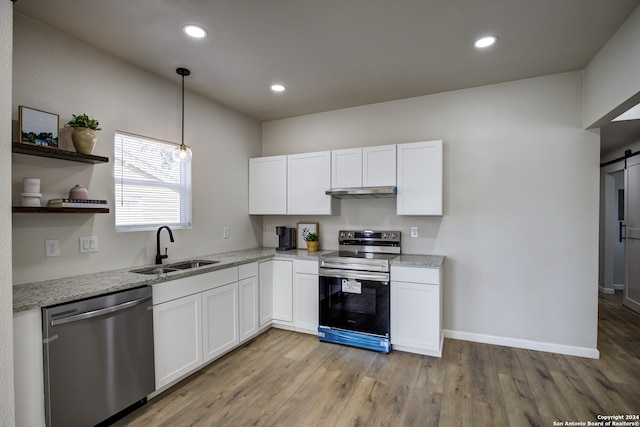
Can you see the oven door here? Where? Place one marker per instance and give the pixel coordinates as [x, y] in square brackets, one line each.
[355, 301]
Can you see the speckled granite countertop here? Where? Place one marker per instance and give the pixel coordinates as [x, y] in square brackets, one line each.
[51, 292]
[423, 261]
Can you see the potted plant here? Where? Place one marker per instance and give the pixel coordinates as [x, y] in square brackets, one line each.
[84, 133]
[312, 240]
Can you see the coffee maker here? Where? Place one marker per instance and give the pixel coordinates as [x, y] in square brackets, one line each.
[286, 238]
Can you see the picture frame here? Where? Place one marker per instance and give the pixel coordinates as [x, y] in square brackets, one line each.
[38, 127]
[304, 228]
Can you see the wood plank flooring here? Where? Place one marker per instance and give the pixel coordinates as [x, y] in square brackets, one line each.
[287, 379]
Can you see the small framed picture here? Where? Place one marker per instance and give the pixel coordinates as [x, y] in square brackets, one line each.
[302, 229]
[38, 127]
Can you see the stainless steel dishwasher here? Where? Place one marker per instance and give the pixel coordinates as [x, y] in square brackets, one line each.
[98, 357]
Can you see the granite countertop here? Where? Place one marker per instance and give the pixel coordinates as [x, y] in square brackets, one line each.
[28, 296]
[422, 261]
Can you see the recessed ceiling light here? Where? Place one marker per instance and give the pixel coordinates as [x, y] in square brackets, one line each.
[195, 31]
[486, 41]
[278, 88]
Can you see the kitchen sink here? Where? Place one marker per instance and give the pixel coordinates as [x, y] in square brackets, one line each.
[155, 270]
[179, 266]
[194, 263]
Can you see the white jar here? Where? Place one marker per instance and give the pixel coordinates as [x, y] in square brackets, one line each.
[30, 185]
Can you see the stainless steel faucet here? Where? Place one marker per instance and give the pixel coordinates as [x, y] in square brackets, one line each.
[160, 257]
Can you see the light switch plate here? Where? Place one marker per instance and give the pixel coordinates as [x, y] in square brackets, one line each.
[88, 244]
[414, 231]
[225, 232]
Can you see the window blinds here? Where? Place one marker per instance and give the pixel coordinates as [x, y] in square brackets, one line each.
[152, 188]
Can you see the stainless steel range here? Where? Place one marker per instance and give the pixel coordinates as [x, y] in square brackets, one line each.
[355, 292]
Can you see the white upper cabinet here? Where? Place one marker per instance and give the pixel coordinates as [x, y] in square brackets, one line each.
[346, 168]
[364, 167]
[420, 178]
[268, 185]
[379, 166]
[309, 176]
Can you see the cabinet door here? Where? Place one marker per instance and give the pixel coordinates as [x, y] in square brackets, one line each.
[266, 292]
[268, 185]
[346, 168]
[306, 302]
[415, 316]
[28, 368]
[379, 166]
[220, 320]
[177, 337]
[248, 294]
[308, 177]
[420, 178]
[283, 290]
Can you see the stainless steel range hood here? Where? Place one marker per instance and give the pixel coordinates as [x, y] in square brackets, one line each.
[362, 192]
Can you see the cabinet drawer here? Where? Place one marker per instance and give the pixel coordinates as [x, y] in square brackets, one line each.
[306, 267]
[247, 270]
[173, 289]
[415, 275]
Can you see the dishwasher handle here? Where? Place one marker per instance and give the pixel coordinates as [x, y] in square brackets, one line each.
[102, 311]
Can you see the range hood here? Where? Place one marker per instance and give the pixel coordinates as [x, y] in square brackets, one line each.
[362, 192]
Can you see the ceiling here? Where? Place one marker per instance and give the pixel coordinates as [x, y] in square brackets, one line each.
[333, 54]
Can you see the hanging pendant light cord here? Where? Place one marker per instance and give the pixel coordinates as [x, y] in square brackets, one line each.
[182, 140]
[183, 72]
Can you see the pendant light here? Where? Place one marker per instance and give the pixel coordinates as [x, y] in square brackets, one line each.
[182, 152]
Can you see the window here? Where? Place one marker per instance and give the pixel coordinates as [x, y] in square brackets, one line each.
[152, 188]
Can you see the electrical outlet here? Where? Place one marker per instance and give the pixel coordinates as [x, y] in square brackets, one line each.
[51, 248]
[225, 232]
[88, 244]
[414, 231]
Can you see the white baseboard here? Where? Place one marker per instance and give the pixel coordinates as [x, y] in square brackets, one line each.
[591, 353]
[608, 291]
[618, 286]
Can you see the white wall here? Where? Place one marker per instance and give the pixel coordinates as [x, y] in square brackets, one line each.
[612, 77]
[59, 74]
[7, 412]
[520, 224]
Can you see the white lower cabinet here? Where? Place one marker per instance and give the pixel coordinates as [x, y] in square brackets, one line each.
[266, 293]
[305, 294]
[249, 297]
[220, 320]
[416, 310]
[283, 291]
[28, 368]
[177, 326]
[195, 319]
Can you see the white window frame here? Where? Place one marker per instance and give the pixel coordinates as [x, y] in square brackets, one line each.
[183, 187]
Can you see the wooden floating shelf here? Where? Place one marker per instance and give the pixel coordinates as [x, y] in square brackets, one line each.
[54, 153]
[36, 209]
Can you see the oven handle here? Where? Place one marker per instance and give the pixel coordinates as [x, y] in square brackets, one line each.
[341, 266]
[344, 274]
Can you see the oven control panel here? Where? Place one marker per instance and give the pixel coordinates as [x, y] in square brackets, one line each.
[364, 236]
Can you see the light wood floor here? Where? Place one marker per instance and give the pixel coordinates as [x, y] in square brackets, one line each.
[288, 379]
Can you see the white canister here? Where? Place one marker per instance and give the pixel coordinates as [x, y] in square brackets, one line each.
[30, 185]
[31, 200]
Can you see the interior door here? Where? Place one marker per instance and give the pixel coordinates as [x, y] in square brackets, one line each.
[632, 241]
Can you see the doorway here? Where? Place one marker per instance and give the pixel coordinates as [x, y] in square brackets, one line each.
[631, 297]
[612, 264]
[620, 229]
